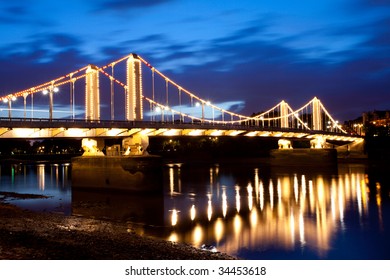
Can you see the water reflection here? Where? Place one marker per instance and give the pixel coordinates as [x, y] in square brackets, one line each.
[247, 211]
[51, 180]
[283, 210]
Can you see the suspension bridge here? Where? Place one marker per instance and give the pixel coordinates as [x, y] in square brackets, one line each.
[144, 102]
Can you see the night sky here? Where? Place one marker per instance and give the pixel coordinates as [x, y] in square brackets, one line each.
[253, 53]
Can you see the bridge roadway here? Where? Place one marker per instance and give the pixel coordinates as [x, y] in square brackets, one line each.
[37, 128]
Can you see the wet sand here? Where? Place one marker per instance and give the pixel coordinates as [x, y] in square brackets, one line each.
[27, 235]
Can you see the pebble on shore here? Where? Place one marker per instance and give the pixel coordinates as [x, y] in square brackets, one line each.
[30, 235]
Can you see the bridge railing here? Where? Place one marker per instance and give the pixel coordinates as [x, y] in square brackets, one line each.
[43, 123]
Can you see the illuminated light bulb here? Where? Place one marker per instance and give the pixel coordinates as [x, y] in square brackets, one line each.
[45, 91]
[208, 103]
[158, 109]
[13, 98]
[5, 100]
[197, 104]
[56, 89]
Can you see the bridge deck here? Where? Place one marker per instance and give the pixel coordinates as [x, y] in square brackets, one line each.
[45, 128]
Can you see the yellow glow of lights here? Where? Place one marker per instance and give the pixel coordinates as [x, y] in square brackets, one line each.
[378, 194]
[147, 131]
[115, 131]
[171, 180]
[224, 202]
[196, 132]
[264, 133]
[216, 133]
[271, 194]
[238, 199]
[235, 132]
[250, 196]
[261, 195]
[173, 237]
[75, 132]
[192, 213]
[218, 229]
[41, 176]
[209, 209]
[252, 133]
[197, 235]
[23, 132]
[253, 217]
[296, 188]
[174, 217]
[171, 132]
[237, 224]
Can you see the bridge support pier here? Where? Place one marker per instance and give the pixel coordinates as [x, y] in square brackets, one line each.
[135, 145]
[284, 144]
[91, 147]
[318, 142]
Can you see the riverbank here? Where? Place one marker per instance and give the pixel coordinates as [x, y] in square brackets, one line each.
[27, 235]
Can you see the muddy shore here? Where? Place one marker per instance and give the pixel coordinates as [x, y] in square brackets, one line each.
[27, 235]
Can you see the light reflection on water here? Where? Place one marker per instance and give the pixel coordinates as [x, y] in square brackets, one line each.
[283, 214]
[52, 180]
[249, 211]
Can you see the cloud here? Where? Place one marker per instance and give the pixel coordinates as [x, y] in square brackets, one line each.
[17, 15]
[39, 59]
[371, 4]
[350, 79]
[49, 44]
[42, 111]
[16, 11]
[209, 113]
[120, 5]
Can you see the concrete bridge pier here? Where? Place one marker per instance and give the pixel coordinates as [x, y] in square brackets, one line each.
[315, 156]
[135, 145]
[284, 144]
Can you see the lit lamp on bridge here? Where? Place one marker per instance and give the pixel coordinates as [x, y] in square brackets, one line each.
[9, 100]
[50, 92]
[160, 110]
[197, 104]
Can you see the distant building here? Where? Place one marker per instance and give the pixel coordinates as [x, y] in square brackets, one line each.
[377, 118]
[377, 123]
[355, 126]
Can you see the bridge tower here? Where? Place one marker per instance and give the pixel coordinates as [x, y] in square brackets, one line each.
[283, 114]
[134, 110]
[317, 118]
[92, 94]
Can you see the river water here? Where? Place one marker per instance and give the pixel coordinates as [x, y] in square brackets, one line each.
[246, 209]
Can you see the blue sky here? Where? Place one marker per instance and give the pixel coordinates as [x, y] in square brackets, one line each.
[256, 52]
